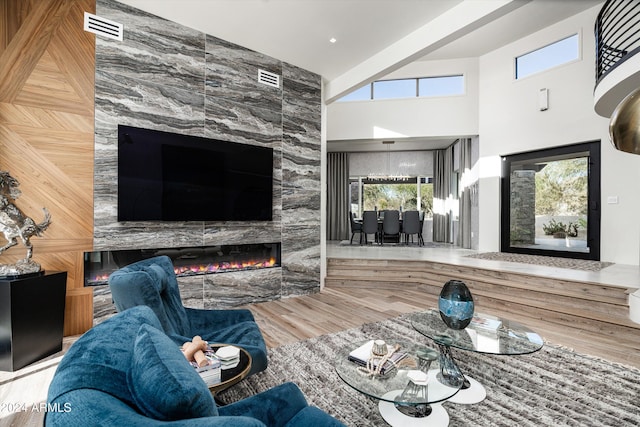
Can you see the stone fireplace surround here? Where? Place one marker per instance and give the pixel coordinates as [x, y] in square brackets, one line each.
[165, 76]
[227, 287]
[187, 261]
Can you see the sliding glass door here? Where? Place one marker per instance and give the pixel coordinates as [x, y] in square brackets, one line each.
[551, 202]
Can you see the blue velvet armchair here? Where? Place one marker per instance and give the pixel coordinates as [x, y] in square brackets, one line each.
[127, 372]
[152, 282]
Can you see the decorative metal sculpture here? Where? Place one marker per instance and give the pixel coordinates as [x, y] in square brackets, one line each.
[624, 127]
[14, 224]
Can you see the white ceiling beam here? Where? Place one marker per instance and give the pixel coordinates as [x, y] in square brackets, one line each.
[454, 23]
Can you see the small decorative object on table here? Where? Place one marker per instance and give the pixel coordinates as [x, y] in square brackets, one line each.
[456, 304]
[229, 356]
[486, 323]
[376, 357]
[204, 360]
[379, 348]
[426, 356]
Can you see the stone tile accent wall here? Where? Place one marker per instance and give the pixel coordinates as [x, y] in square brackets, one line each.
[168, 77]
[523, 199]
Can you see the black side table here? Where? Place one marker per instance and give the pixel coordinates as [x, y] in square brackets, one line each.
[31, 318]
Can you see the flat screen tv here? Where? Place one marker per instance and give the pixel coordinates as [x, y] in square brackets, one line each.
[165, 176]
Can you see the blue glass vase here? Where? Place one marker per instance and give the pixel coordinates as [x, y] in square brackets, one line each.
[456, 304]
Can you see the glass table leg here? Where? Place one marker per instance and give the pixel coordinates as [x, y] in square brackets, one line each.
[450, 374]
[437, 417]
[397, 412]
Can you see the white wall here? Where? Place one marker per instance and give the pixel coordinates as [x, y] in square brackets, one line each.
[415, 117]
[504, 112]
[510, 122]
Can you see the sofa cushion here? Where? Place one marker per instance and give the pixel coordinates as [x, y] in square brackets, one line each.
[163, 384]
[101, 357]
[158, 276]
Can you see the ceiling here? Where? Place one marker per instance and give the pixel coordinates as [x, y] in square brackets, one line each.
[299, 32]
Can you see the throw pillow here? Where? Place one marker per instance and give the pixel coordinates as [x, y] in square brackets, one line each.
[162, 383]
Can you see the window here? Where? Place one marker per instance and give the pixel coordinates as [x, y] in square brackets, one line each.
[362, 94]
[441, 86]
[367, 194]
[408, 88]
[389, 89]
[550, 202]
[558, 53]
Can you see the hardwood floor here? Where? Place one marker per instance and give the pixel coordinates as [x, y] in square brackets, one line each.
[338, 308]
[282, 322]
[332, 310]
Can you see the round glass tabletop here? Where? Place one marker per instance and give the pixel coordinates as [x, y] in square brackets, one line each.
[485, 334]
[395, 384]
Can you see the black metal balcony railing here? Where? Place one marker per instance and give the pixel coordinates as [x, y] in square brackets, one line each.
[617, 32]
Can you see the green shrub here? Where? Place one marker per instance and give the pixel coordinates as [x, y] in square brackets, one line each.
[559, 229]
[553, 227]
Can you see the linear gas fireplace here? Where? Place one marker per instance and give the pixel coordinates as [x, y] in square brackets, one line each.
[188, 261]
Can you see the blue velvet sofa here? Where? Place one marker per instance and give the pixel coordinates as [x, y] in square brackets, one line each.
[127, 372]
[152, 282]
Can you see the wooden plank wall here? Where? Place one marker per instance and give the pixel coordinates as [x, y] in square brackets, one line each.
[47, 66]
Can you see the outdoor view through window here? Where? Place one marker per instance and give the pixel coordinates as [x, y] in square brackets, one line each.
[402, 194]
[549, 204]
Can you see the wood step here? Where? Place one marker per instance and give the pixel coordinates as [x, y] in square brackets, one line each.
[591, 312]
[394, 270]
[584, 308]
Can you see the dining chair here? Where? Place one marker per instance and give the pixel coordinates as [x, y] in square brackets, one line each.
[411, 226]
[356, 227]
[369, 225]
[391, 226]
[420, 237]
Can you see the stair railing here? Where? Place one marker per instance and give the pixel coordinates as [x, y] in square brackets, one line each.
[617, 33]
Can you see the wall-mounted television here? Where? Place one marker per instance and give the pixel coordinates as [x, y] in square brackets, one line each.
[164, 176]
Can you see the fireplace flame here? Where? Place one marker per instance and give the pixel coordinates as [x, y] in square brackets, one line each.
[191, 270]
[199, 269]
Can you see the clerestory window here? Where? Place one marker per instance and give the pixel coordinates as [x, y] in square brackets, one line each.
[408, 88]
[547, 57]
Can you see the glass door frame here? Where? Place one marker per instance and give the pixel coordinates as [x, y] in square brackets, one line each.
[593, 201]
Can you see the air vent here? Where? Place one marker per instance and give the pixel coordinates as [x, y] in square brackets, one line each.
[103, 27]
[268, 78]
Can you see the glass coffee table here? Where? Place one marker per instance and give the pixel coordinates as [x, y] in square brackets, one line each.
[400, 404]
[485, 334]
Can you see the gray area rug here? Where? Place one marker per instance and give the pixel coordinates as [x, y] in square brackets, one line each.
[552, 387]
[575, 264]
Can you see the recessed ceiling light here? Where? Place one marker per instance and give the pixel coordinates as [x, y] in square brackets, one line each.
[333, 40]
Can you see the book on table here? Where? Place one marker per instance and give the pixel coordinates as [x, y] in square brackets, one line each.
[211, 373]
[362, 354]
[485, 323]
